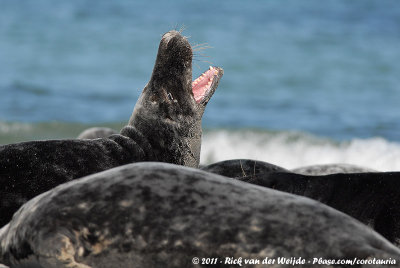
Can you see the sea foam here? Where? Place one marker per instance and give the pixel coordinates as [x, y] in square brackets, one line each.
[294, 149]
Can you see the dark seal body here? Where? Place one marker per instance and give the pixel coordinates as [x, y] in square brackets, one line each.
[371, 197]
[237, 168]
[163, 215]
[165, 126]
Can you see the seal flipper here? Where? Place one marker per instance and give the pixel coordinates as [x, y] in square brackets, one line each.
[129, 138]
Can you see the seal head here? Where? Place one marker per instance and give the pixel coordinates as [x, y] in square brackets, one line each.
[171, 105]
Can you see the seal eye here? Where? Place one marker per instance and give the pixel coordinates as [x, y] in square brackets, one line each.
[202, 85]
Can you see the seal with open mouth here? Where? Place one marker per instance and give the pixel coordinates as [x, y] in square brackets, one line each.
[170, 109]
[165, 126]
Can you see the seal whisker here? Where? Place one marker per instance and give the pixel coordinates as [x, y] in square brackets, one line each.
[179, 29]
[200, 55]
[200, 45]
[201, 48]
[243, 172]
[183, 27]
[198, 66]
[206, 61]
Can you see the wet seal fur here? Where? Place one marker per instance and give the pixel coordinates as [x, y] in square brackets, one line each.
[163, 215]
[371, 197]
[165, 126]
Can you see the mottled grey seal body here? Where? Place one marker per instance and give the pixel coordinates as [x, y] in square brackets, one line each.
[163, 215]
[96, 132]
[165, 126]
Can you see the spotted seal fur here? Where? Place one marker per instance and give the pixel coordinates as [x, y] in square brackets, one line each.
[163, 215]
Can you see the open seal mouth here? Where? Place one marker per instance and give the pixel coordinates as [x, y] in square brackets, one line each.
[201, 87]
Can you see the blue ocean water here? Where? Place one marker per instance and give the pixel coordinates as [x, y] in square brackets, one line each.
[329, 70]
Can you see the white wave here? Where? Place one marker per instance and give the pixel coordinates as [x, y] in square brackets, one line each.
[292, 149]
[11, 127]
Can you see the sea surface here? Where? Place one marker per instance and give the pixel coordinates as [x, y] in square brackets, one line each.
[306, 82]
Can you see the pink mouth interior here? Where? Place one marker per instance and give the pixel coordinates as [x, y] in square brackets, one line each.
[201, 86]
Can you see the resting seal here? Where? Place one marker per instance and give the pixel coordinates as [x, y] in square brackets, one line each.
[163, 215]
[165, 126]
[371, 197]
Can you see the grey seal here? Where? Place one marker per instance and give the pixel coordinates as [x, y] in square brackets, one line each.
[164, 215]
[165, 126]
[370, 197]
[96, 132]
